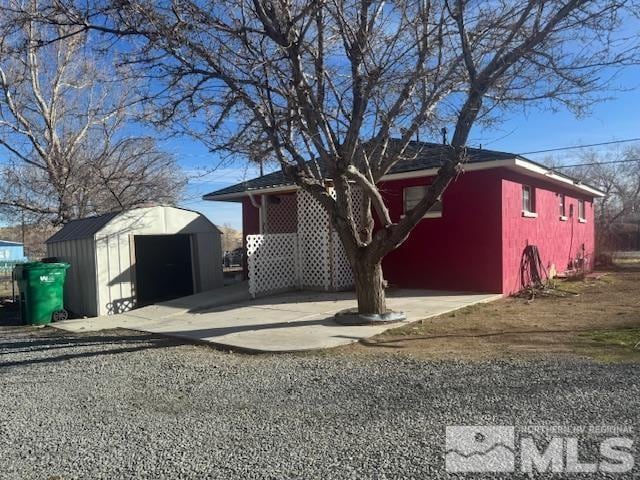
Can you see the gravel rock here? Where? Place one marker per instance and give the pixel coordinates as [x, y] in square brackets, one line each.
[130, 405]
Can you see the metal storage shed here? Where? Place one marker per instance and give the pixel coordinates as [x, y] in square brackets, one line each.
[128, 259]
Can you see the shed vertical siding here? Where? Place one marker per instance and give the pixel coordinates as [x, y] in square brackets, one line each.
[101, 279]
[80, 287]
[208, 260]
[125, 289]
[115, 280]
[115, 243]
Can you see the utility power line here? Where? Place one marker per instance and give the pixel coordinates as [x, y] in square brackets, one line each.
[626, 160]
[582, 146]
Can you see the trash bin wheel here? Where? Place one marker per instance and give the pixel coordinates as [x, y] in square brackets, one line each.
[60, 315]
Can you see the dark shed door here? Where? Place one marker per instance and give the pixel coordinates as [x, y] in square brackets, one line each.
[163, 268]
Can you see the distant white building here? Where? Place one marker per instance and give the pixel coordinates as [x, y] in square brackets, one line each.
[11, 251]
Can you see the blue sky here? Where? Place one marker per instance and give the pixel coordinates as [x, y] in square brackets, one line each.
[614, 119]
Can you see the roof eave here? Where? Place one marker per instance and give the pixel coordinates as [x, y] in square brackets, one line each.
[516, 163]
[539, 170]
[237, 196]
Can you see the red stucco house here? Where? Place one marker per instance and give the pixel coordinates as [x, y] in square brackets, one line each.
[473, 240]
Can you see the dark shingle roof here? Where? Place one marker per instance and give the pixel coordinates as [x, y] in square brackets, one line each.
[82, 228]
[423, 155]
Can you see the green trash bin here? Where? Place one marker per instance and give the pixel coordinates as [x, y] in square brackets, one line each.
[41, 287]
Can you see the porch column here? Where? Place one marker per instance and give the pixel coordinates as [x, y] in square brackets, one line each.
[264, 226]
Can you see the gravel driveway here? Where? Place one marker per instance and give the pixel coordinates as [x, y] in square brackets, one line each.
[127, 405]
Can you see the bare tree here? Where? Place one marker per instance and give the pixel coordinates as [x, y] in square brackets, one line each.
[62, 122]
[335, 90]
[231, 238]
[617, 173]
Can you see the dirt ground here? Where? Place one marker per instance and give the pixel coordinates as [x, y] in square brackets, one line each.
[5, 288]
[601, 319]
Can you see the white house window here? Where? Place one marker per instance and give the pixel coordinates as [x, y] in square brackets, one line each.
[581, 213]
[562, 207]
[528, 202]
[413, 195]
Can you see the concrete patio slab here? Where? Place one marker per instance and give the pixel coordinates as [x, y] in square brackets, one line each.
[287, 322]
[151, 314]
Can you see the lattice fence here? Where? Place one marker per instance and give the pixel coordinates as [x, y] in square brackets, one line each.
[341, 273]
[357, 200]
[282, 216]
[273, 263]
[314, 236]
[314, 258]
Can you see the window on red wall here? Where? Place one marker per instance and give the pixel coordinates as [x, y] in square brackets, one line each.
[528, 199]
[581, 211]
[562, 206]
[413, 195]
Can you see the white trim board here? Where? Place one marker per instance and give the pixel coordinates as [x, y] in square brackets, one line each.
[516, 164]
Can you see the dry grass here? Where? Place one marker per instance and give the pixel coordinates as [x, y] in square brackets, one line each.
[5, 288]
[611, 345]
[599, 318]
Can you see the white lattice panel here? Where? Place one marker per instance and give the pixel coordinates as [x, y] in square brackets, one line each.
[273, 262]
[311, 216]
[342, 275]
[357, 200]
[282, 214]
[315, 265]
[313, 237]
[311, 258]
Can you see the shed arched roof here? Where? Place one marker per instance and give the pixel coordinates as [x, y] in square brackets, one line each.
[88, 227]
[82, 228]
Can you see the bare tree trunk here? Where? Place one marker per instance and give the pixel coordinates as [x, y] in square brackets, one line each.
[397, 67]
[369, 285]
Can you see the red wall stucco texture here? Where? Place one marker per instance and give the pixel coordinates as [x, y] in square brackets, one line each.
[250, 218]
[250, 226]
[478, 242]
[558, 241]
[459, 251]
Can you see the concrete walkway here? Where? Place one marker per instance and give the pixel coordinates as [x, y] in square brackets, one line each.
[288, 322]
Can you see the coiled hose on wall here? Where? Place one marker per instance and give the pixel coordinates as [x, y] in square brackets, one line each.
[532, 270]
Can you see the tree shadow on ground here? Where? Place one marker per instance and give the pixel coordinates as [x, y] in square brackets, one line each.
[9, 314]
[44, 346]
[625, 267]
[202, 334]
